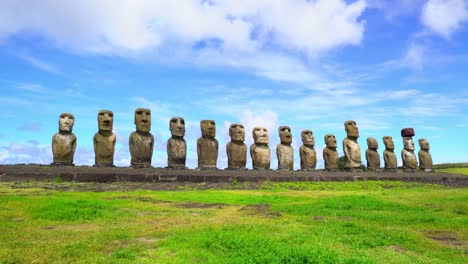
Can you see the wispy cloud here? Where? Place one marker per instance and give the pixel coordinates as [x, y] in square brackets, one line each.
[39, 63]
[30, 127]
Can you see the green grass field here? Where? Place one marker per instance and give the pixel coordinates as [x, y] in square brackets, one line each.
[355, 222]
[463, 171]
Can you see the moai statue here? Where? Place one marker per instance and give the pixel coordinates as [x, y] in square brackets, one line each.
[236, 149]
[351, 148]
[284, 151]
[307, 151]
[207, 145]
[389, 154]
[64, 142]
[141, 141]
[104, 140]
[260, 150]
[425, 158]
[176, 145]
[330, 154]
[372, 156]
[407, 154]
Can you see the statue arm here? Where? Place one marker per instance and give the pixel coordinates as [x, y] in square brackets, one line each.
[198, 148]
[131, 144]
[73, 144]
[228, 154]
[345, 149]
[151, 146]
[368, 157]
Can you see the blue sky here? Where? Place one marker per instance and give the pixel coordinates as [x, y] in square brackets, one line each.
[307, 64]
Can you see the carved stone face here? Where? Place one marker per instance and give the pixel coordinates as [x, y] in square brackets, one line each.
[177, 126]
[308, 137]
[330, 141]
[237, 132]
[105, 120]
[408, 143]
[143, 119]
[285, 134]
[260, 135]
[388, 141]
[372, 143]
[66, 121]
[352, 130]
[423, 144]
[208, 128]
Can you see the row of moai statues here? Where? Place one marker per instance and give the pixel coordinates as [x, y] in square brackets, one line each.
[141, 144]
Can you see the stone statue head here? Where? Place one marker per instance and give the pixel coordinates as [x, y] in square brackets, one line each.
[143, 119]
[408, 143]
[237, 132]
[308, 137]
[423, 144]
[352, 130]
[372, 143]
[330, 141]
[105, 120]
[208, 128]
[260, 135]
[66, 121]
[285, 134]
[177, 126]
[388, 141]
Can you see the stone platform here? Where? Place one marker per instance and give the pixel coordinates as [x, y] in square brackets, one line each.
[33, 172]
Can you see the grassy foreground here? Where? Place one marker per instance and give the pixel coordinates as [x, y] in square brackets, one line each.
[355, 222]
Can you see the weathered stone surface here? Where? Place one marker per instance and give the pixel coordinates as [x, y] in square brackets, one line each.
[330, 154]
[307, 151]
[207, 145]
[141, 141]
[64, 142]
[236, 149]
[176, 145]
[407, 132]
[284, 151]
[260, 150]
[372, 156]
[425, 158]
[407, 155]
[389, 154]
[104, 140]
[351, 148]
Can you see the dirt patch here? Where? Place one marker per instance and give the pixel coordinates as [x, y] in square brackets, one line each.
[201, 205]
[397, 248]
[151, 200]
[345, 218]
[122, 197]
[448, 239]
[145, 240]
[319, 218]
[259, 209]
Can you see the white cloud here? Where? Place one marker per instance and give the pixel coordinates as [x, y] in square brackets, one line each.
[268, 38]
[38, 63]
[415, 57]
[444, 17]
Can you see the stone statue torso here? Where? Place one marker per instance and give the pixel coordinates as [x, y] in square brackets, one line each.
[141, 148]
[207, 149]
[260, 156]
[409, 160]
[285, 155]
[352, 153]
[104, 147]
[390, 160]
[330, 157]
[237, 155]
[308, 158]
[63, 147]
[373, 159]
[425, 160]
[176, 152]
